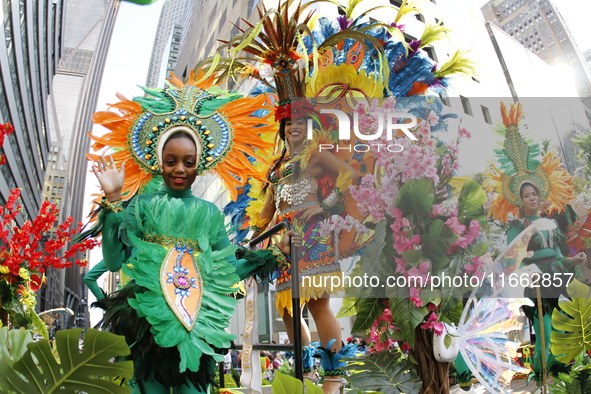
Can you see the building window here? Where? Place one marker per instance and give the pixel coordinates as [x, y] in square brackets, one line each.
[431, 53]
[466, 105]
[61, 179]
[445, 100]
[486, 114]
[60, 190]
[53, 190]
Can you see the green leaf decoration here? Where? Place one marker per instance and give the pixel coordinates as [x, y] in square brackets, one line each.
[481, 249]
[368, 310]
[349, 308]
[373, 262]
[416, 199]
[385, 372]
[407, 317]
[38, 324]
[413, 257]
[471, 203]
[13, 344]
[284, 384]
[37, 371]
[577, 381]
[436, 243]
[571, 334]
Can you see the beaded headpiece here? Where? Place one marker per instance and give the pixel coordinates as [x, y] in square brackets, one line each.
[553, 183]
[220, 123]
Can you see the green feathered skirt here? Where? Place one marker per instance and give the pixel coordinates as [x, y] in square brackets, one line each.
[151, 362]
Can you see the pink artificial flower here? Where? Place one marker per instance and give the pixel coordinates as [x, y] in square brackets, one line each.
[432, 118]
[400, 265]
[415, 296]
[433, 323]
[455, 225]
[405, 347]
[464, 133]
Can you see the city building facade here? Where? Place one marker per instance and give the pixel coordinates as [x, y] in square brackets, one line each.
[87, 29]
[166, 42]
[539, 27]
[32, 44]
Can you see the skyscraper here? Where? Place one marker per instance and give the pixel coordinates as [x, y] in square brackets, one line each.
[166, 42]
[31, 37]
[538, 26]
[87, 29]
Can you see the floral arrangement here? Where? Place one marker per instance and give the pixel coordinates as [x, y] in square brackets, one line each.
[426, 224]
[26, 255]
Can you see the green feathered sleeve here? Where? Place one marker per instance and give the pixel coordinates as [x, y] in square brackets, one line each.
[92, 277]
[116, 227]
[247, 263]
[255, 262]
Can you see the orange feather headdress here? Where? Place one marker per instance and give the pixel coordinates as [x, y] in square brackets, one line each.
[554, 183]
[222, 124]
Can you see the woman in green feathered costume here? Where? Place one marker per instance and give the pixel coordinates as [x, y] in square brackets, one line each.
[172, 347]
[173, 246]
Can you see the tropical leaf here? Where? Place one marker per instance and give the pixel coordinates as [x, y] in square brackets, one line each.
[385, 372]
[407, 317]
[571, 334]
[368, 310]
[471, 203]
[416, 198]
[13, 344]
[89, 370]
[577, 381]
[436, 243]
[349, 308]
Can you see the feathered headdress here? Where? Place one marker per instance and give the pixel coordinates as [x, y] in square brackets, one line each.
[520, 166]
[220, 122]
[335, 58]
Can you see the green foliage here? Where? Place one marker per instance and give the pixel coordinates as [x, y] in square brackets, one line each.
[368, 310]
[471, 203]
[436, 243]
[229, 381]
[37, 371]
[416, 199]
[285, 369]
[572, 324]
[283, 384]
[13, 345]
[235, 376]
[407, 317]
[385, 372]
[578, 381]
[348, 308]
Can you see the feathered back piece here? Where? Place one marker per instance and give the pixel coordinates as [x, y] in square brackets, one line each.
[517, 159]
[220, 122]
[328, 57]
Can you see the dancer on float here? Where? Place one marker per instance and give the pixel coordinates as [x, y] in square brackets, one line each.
[295, 196]
[529, 194]
[174, 310]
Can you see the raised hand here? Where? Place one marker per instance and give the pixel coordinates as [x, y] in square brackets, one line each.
[110, 178]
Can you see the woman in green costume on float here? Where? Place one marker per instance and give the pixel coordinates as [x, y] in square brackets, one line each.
[172, 245]
[549, 249]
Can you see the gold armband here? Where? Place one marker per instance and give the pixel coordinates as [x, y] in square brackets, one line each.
[115, 206]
